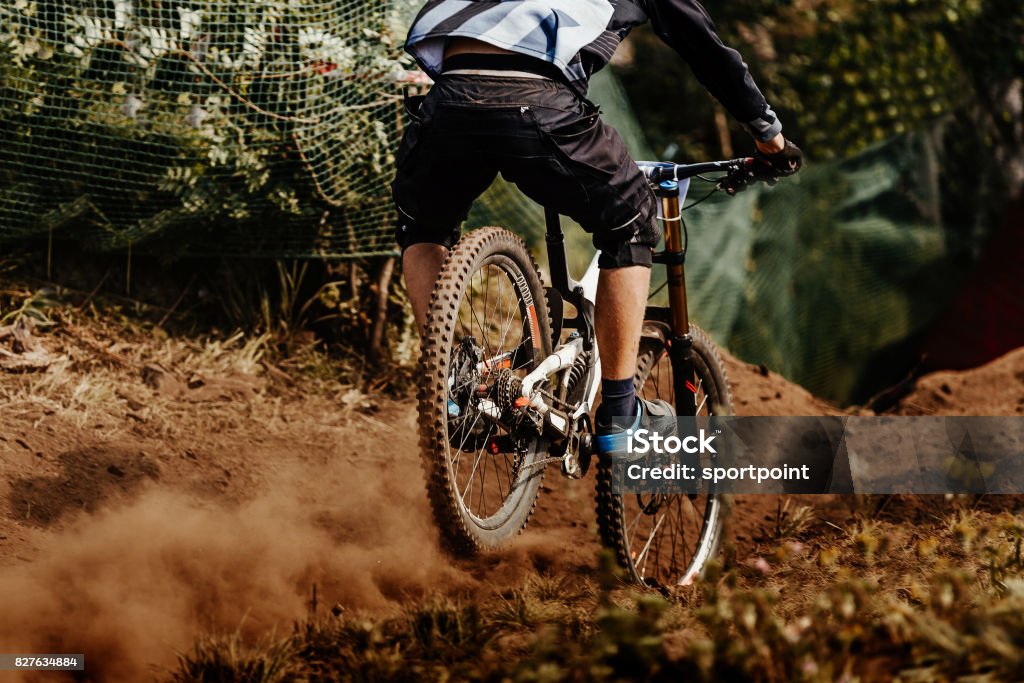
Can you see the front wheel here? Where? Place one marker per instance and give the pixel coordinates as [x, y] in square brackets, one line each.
[663, 539]
[487, 328]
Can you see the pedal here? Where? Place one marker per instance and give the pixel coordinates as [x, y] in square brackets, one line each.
[571, 467]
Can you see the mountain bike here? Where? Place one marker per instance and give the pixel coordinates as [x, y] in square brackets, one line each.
[510, 377]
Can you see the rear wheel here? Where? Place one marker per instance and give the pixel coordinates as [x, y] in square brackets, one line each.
[664, 539]
[487, 328]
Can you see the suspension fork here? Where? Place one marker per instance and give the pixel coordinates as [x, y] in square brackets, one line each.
[680, 345]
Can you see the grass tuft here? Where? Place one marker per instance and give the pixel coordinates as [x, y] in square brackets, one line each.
[792, 520]
[227, 659]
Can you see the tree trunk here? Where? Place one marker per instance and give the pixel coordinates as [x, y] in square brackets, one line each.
[380, 320]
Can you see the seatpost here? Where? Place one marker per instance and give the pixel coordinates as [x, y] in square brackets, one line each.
[557, 259]
[570, 290]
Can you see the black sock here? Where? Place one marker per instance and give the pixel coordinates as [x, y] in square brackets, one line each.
[618, 399]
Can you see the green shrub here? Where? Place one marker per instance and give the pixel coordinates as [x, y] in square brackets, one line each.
[143, 119]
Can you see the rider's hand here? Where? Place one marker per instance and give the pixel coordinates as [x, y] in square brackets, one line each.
[773, 159]
[781, 155]
[776, 144]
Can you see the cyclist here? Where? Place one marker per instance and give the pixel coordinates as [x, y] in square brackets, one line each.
[510, 97]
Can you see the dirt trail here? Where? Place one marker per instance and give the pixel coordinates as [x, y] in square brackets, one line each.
[153, 489]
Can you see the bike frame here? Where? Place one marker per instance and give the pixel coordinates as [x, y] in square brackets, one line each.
[670, 325]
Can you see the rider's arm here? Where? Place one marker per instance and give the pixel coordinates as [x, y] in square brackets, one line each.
[686, 27]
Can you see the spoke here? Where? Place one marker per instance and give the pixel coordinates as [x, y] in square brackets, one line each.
[671, 533]
[647, 546]
[497, 476]
[492, 315]
[483, 487]
[469, 431]
[631, 533]
[487, 289]
[472, 475]
[509, 318]
[483, 456]
[483, 330]
[476, 467]
[677, 531]
[497, 298]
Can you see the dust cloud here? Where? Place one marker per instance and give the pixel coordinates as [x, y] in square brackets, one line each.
[130, 586]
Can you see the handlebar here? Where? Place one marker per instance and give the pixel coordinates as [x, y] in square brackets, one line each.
[739, 173]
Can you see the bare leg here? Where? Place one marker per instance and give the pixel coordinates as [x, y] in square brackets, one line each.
[421, 264]
[619, 317]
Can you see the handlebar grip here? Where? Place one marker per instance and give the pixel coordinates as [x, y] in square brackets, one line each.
[749, 172]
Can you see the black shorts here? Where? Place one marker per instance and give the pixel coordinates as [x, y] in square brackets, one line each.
[540, 135]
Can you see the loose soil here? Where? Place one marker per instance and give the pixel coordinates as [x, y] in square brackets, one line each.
[157, 488]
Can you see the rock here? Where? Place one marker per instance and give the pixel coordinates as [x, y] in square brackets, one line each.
[204, 389]
[162, 380]
[23, 352]
[133, 402]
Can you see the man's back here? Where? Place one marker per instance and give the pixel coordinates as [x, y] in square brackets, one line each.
[579, 37]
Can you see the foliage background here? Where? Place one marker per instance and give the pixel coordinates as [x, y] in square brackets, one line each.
[266, 128]
[910, 112]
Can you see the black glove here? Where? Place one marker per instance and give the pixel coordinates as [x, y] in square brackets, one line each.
[783, 163]
[767, 168]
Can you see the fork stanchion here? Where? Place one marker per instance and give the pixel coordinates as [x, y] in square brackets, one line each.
[674, 259]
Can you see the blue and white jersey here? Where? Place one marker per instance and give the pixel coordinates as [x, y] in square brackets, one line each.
[579, 37]
[555, 31]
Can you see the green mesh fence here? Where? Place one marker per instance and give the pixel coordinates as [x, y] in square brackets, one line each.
[819, 276]
[260, 127]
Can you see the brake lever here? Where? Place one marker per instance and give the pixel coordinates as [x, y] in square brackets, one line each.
[741, 177]
[738, 178]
